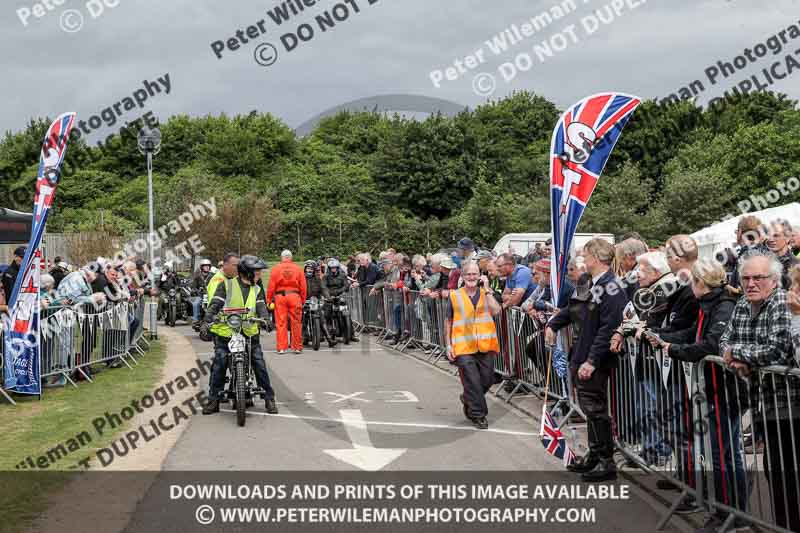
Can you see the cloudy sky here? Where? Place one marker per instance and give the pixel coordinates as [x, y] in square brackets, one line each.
[79, 57]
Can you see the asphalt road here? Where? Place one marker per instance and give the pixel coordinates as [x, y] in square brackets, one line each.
[353, 409]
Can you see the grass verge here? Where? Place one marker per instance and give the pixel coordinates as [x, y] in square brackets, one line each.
[34, 428]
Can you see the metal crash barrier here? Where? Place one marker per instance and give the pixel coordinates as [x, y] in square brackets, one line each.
[71, 339]
[730, 443]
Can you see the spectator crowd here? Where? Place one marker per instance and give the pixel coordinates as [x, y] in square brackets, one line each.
[742, 305]
[93, 287]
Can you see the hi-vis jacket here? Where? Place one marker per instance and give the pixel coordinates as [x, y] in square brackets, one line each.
[239, 296]
[473, 327]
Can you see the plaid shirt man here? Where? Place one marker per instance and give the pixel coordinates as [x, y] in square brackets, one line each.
[763, 340]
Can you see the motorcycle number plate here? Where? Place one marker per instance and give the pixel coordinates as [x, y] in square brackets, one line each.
[236, 344]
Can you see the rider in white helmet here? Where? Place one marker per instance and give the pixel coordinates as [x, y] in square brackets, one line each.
[166, 281]
[198, 287]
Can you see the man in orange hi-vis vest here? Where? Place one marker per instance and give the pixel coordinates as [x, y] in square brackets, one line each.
[471, 339]
[287, 285]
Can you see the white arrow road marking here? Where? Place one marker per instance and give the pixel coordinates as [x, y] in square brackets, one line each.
[400, 396]
[363, 455]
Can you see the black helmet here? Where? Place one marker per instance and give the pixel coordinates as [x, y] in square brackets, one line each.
[248, 264]
[310, 263]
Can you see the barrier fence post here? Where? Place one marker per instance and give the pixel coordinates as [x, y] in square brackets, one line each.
[2, 368]
[152, 311]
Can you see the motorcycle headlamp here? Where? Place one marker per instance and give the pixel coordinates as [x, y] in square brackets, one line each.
[235, 321]
[313, 304]
[172, 292]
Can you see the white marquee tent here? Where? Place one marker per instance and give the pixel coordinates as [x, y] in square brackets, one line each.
[722, 235]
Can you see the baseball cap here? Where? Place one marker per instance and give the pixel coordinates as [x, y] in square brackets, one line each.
[484, 254]
[20, 251]
[466, 244]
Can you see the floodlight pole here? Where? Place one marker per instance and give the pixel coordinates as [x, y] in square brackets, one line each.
[151, 236]
[149, 142]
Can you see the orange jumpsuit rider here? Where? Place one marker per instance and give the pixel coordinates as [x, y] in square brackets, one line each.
[287, 284]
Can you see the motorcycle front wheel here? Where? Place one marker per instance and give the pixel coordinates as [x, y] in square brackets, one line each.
[241, 400]
[346, 329]
[316, 333]
[171, 316]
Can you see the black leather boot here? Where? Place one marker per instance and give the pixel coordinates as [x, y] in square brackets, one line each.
[211, 407]
[605, 470]
[585, 464]
[271, 407]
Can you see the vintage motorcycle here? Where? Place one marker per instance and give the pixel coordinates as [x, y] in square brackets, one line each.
[312, 322]
[341, 324]
[242, 387]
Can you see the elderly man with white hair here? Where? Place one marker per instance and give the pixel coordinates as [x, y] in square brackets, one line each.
[368, 272]
[759, 334]
[287, 286]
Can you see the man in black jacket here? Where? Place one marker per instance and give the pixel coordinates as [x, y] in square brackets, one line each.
[368, 272]
[591, 361]
[10, 275]
[335, 281]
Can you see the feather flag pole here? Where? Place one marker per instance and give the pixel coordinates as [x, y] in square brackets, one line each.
[582, 142]
[22, 371]
[553, 440]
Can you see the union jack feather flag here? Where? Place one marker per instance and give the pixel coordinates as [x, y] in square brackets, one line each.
[582, 142]
[22, 372]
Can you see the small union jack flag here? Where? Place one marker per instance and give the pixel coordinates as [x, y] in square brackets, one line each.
[554, 441]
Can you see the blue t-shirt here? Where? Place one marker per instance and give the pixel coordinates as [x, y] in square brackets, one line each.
[521, 278]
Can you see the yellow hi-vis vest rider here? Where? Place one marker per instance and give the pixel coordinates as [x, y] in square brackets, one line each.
[214, 282]
[233, 298]
[473, 327]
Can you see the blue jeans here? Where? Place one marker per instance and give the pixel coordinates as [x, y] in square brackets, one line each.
[653, 403]
[196, 302]
[730, 481]
[220, 366]
[398, 319]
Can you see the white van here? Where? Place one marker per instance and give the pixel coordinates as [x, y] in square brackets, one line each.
[522, 243]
